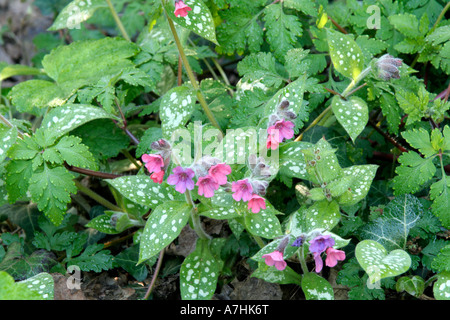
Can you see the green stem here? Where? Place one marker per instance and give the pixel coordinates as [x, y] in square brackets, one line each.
[441, 15]
[259, 241]
[312, 124]
[190, 73]
[97, 197]
[301, 258]
[196, 218]
[352, 84]
[10, 125]
[117, 20]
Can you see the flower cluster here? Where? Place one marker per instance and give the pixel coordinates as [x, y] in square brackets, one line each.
[157, 163]
[181, 9]
[325, 243]
[387, 67]
[317, 245]
[279, 128]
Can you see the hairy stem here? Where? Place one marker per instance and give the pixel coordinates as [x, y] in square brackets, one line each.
[92, 173]
[117, 20]
[155, 274]
[190, 73]
[93, 195]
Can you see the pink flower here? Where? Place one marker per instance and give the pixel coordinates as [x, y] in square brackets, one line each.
[333, 256]
[256, 203]
[182, 179]
[242, 190]
[206, 186]
[153, 162]
[273, 138]
[219, 172]
[181, 9]
[285, 129]
[157, 177]
[275, 258]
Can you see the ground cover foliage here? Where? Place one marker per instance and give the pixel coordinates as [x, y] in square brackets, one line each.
[192, 149]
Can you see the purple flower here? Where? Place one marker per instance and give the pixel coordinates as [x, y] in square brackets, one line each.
[318, 261]
[181, 179]
[242, 189]
[298, 242]
[320, 243]
[206, 186]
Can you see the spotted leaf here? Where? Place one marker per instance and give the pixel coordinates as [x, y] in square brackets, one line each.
[345, 53]
[441, 288]
[379, 263]
[316, 288]
[198, 20]
[362, 177]
[264, 223]
[292, 160]
[162, 227]
[42, 283]
[75, 13]
[8, 137]
[199, 273]
[352, 114]
[176, 109]
[143, 191]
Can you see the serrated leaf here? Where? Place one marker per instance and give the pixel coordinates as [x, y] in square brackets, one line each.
[162, 227]
[316, 288]
[93, 258]
[176, 109]
[392, 228]
[50, 188]
[70, 116]
[198, 20]
[345, 53]
[18, 174]
[378, 263]
[440, 194]
[75, 13]
[352, 114]
[199, 273]
[127, 259]
[420, 139]
[8, 137]
[142, 190]
[75, 153]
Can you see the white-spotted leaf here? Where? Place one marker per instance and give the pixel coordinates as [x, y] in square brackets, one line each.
[352, 114]
[321, 215]
[75, 13]
[162, 227]
[103, 223]
[441, 288]
[64, 119]
[345, 53]
[8, 137]
[363, 176]
[176, 109]
[264, 223]
[378, 263]
[142, 190]
[42, 283]
[292, 159]
[198, 19]
[199, 273]
[316, 288]
[272, 275]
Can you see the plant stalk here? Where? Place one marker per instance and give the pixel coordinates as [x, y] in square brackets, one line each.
[117, 20]
[97, 197]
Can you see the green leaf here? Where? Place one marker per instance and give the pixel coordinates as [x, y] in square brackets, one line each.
[162, 227]
[323, 215]
[199, 273]
[420, 139]
[198, 20]
[272, 275]
[264, 223]
[378, 263]
[142, 190]
[18, 70]
[440, 194]
[42, 283]
[442, 262]
[50, 188]
[75, 13]
[11, 290]
[413, 173]
[18, 174]
[176, 109]
[292, 160]
[413, 285]
[316, 288]
[93, 258]
[8, 137]
[407, 24]
[127, 259]
[75, 153]
[392, 228]
[282, 30]
[352, 114]
[345, 53]
[103, 223]
[362, 177]
[441, 288]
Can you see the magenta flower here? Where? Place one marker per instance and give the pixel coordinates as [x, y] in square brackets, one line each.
[157, 177]
[182, 179]
[285, 129]
[275, 258]
[242, 189]
[333, 256]
[320, 243]
[206, 186]
[219, 172]
[318, 261]
[181, 9]
[153, 162]
[256, 203]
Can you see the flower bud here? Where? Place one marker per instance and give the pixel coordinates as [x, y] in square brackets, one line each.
[387, 67]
